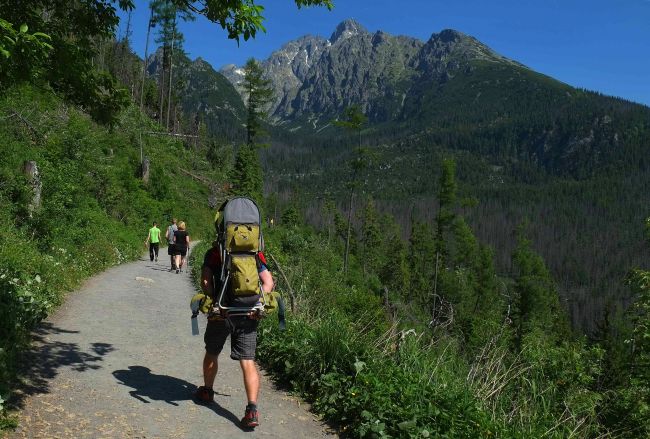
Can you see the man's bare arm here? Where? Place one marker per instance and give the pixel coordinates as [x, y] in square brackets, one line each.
[267, 281]
[207, 284]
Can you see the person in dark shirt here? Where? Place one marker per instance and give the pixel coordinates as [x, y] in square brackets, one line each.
[169, 235]
[243, 333]
[181, 244]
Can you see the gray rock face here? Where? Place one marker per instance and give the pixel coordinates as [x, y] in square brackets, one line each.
[235, 75]
[449, 49]
[314, 79]
[288, 68]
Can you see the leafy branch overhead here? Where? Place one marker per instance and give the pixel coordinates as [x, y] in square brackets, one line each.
[240, 18]
[67, 58]
[22, 54]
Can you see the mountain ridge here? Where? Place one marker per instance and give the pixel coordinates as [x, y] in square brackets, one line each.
[334, 73]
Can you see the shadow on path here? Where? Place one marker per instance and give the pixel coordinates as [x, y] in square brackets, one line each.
[41, 363]
[158, 268]
[164, 388]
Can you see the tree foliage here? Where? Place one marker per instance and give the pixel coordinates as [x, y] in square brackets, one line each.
[76, 30]
[246, 175]
[22, 54]
[259, 94]
[352, 120]
[536, 304]
[240, 18]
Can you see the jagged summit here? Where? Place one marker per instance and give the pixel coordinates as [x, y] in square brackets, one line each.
[449, 35]
[346, 29]
[313, 77]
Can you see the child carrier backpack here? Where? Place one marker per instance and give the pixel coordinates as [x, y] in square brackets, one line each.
[239, 236]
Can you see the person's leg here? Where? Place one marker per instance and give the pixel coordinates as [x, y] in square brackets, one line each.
[243, 346]
[183, 255]
[210, 369]
[156, 247]
[170, 252]
[177, 258]
[151, 251]
[215, 336]
[251, 380]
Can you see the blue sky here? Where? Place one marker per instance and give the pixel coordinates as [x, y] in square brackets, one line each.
[601, 45]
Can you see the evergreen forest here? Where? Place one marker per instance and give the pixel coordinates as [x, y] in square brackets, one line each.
[448, 273]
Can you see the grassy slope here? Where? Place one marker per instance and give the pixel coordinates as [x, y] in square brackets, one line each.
[95, 209]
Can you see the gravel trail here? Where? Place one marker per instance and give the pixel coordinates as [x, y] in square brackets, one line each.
[118, 360]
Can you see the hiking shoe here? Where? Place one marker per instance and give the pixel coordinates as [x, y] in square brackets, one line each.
[250, 418]
[177, 271]
[203, 395]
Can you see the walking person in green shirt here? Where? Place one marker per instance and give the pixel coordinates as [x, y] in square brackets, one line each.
[153, 239]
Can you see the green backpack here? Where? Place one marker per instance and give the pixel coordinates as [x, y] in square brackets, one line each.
[240, 241]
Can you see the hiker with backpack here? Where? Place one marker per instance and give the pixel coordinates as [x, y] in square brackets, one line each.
[169, 235]
[235, 275]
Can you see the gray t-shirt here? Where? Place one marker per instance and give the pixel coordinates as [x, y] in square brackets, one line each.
[170, 233]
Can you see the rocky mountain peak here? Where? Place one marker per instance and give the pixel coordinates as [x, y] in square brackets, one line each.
[449, 35]
[346, 29]
[457, 47]
[314, 78]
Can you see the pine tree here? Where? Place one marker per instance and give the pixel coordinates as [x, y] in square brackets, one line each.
[247, 176]
[639, 380]
[447, 199]
[258, 94]
[290, 217]
[353, 121]
[371, 239]
[536, 303]
[396, 273]
[423, 262]
[329, 210]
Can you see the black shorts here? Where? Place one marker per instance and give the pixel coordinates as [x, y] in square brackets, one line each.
[243, 340]
[171, 248]
[180, 251]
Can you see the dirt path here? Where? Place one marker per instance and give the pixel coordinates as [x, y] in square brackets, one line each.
[118, 360]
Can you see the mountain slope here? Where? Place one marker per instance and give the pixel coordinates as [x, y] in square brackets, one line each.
[573, 163]
[205, 95]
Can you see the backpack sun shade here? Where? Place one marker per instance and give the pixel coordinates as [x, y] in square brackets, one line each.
[240, 239]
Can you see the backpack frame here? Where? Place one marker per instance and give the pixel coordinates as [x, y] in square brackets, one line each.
[239, 235]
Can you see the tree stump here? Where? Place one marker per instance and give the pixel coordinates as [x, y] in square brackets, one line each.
[30, 170]
[145, 170]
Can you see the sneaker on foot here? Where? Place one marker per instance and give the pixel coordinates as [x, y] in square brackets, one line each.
[250, 419]
[177, 271]
[203, 395]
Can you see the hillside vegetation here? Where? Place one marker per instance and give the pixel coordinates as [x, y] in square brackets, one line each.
[425, 305]
[571, 162]
[94, 209]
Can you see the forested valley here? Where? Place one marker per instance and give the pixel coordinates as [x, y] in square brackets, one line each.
[452, 271]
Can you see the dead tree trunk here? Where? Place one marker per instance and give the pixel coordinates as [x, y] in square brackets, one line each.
[144, 62]
[145, 170]
[171, 70]
[34, 181]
